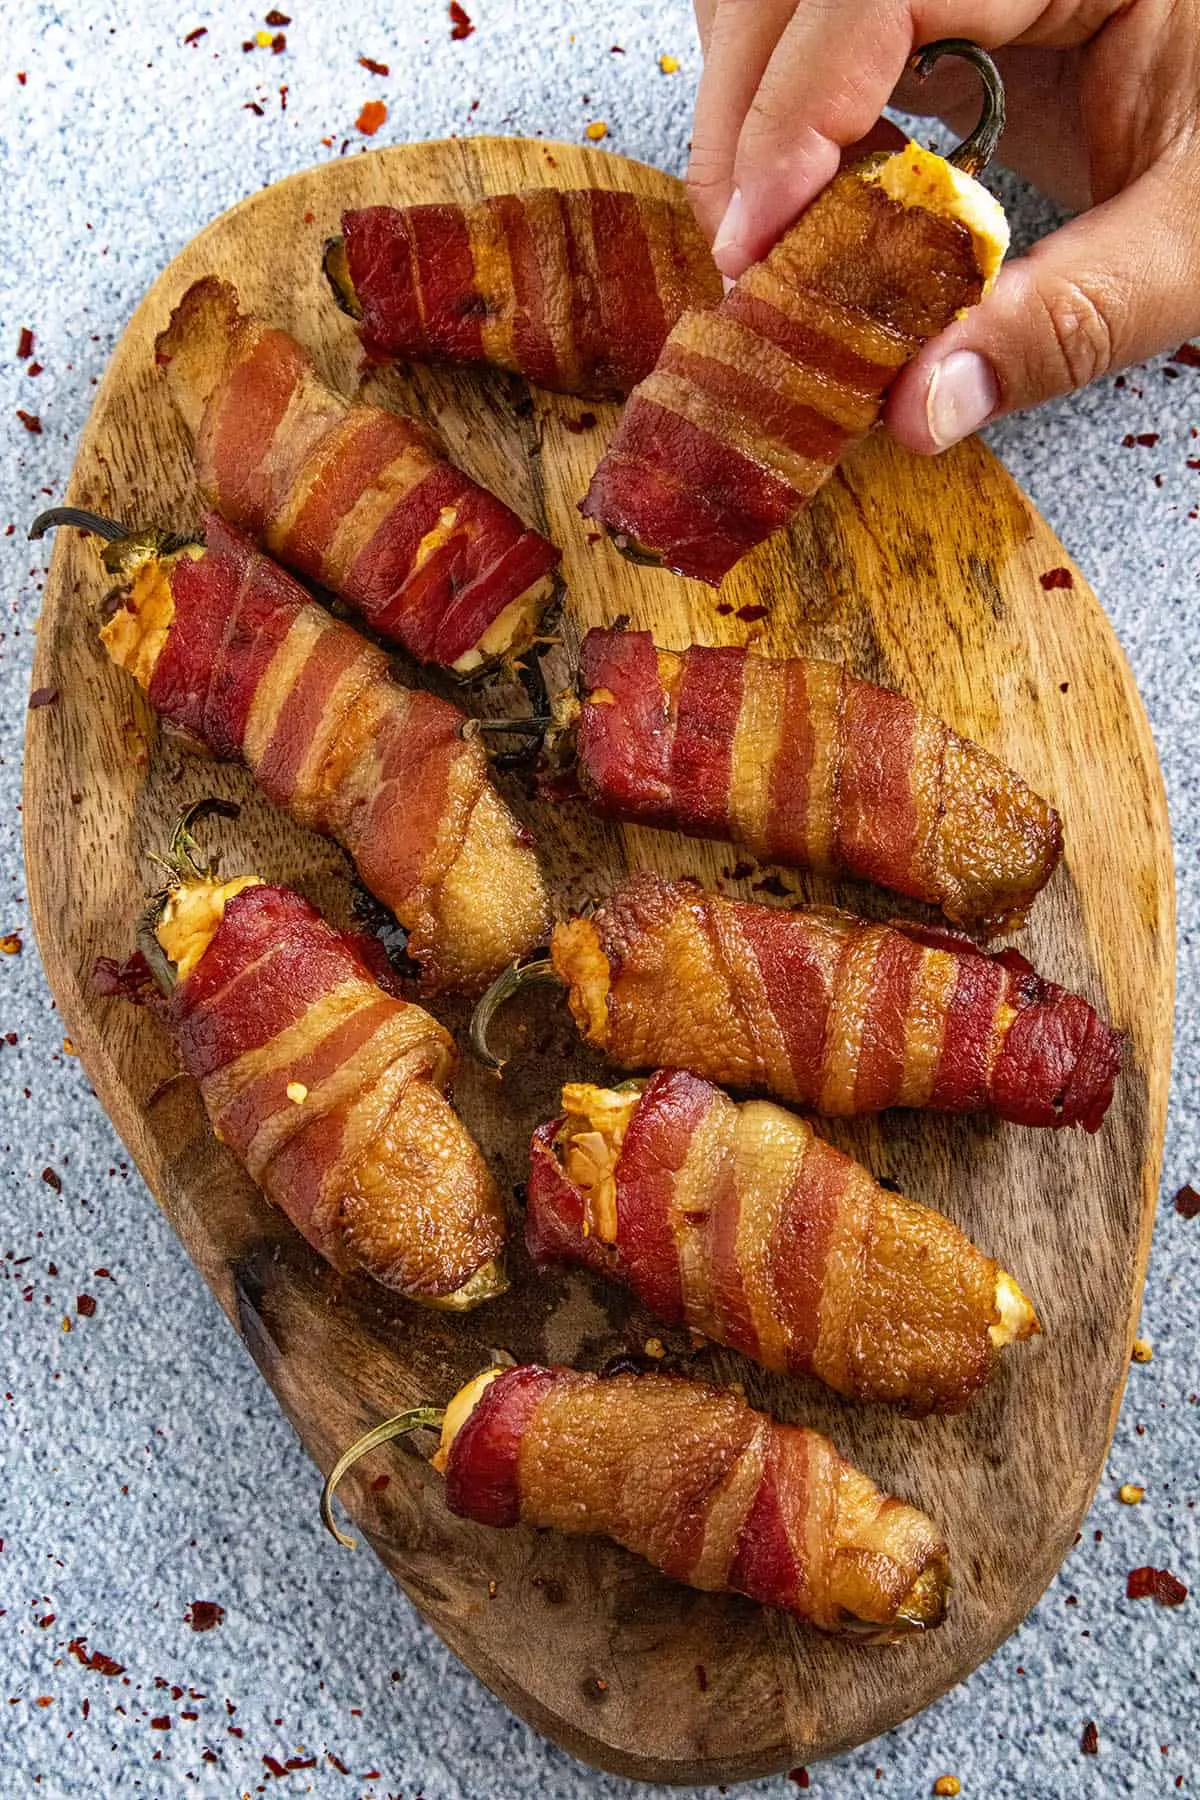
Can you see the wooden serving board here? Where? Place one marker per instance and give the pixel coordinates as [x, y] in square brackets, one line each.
[920, 574]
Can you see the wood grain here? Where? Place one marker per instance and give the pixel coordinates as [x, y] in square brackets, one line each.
[920, 574]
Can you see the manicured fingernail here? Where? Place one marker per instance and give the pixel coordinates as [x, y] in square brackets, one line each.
[963, 394]
[729, 230]
[728, 283]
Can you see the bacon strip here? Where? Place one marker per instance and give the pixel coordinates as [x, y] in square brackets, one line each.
[361, 500]
[830, 1012]
[739, 1222]
[365, 1155]
[575, 290]
[751, 406]
[711, 1492]
[804, 765]
[256, 670]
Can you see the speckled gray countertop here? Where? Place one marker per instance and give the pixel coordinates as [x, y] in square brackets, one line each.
[145, 1465]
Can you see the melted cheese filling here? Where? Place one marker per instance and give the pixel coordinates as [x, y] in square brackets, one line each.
[589, 1147]
[190, 918]
[137, 631]
[457, 1414]
[1017, 1318]
[584, 969]
[512, 630]
[918, 177]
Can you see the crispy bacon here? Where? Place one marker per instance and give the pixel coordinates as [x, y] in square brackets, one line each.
[711, 1492]
[739, 1222]
[831, 1012]
[575, 290]
[253, 668]
[804, 765]
[354, 497]
[331, 1092]
[751, 406]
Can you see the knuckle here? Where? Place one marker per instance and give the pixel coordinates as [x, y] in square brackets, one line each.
[1080, 326]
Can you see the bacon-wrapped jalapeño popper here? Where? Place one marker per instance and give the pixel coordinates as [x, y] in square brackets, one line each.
[234, 653]
[357, 498]
[741, 1223]
[327, 1087]
[713, 1493]
[751, 406]
[804, 765]
[576, 290]
[822, 1009]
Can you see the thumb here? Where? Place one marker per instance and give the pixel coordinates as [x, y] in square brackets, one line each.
[1116, 285]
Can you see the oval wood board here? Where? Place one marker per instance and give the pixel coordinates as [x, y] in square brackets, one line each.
[920, 574]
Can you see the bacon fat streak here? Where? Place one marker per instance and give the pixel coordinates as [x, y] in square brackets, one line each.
[234, 653]
[829, 1011]
[359, 499]
[804, 765]
[739, 1222]
[577, 290]
[751, 406]
[331, 1092]
[708, 1490]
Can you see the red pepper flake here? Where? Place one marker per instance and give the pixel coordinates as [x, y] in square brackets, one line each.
[43, 696]
[203, 1615]
[300, 1762]
[161, 1723]
[372, 1775]
[702, 1678]
[585, 422]
[336, 1762]
[751, 614]
[1089, 1743]
[94, 1659]
[616, 49]
[273, 1764]
[21, 79]
[1187, 1202]
[1147, 440]
[45, 1699]
[1056, 578]
[30, 421]
[380, 1482]
[234, 1731]
[371, 117]
[1187, 354]
[25, 344]
[277, 18]
[193, 37]
[52, 1179]
[278, 44]
[48, 1620]
[254, 107]
[460, 22]
[1158, 1584]
[799, 1776]
[375, 68]
[35, 368]
[85, 1305]
[209, 1756]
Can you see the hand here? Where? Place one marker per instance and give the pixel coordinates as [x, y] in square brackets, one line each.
[1104, 115]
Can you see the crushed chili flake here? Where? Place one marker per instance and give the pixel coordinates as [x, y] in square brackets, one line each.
[1146, 439]
[460, 22]
[750, 615]
[129, 980]
[203, 1615]
[45, 1699]
[371, 117]
[93, 1659]
[337, 1762]
[254, 107]
[1187, 1202]
[799, 1776]
[584, 422]
[30, 421]
[1155, 1584]
[193, 37]
[1089, 1743]
[52, 1179]
[380, 1483]
[161, 1723]
[596, 130]
[277, 18]
[375, 68]
[85, 1305]
[274, 1765]
[278, 44]
[35, 368]
[22, 78]
[1187, 354]
[1056, 578]
[43, 696]
[25, 344]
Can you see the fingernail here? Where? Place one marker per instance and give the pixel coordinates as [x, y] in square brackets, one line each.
[728, 283]
[963, 394]
[729, 230]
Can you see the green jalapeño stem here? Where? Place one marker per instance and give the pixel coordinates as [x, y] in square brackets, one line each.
[540, 973]
[417, 1419]
[976, 151]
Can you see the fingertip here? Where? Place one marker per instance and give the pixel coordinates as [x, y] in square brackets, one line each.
[940, 399]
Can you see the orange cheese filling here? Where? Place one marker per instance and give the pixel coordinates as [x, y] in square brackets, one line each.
[589, 1148]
